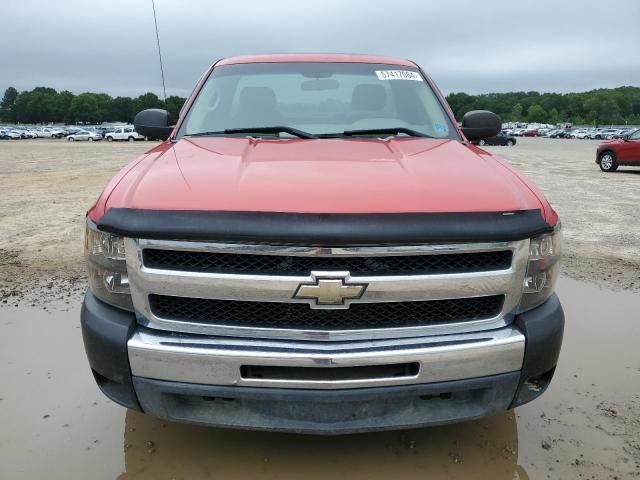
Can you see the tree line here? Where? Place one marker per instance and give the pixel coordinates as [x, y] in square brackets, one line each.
[605, 106]
[46, 105]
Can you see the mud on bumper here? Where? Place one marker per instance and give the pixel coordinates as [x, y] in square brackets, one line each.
[483, 383]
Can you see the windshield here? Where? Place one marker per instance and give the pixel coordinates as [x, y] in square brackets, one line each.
[317, 99]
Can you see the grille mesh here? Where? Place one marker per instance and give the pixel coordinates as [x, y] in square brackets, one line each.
[290, 265]
[301, 316]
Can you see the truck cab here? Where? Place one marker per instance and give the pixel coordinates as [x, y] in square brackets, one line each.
[317, 247]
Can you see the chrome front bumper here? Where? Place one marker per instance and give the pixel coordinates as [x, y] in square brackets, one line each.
[197, 379]
[223, 361]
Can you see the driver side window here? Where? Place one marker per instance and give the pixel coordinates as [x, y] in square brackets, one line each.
[635, 135]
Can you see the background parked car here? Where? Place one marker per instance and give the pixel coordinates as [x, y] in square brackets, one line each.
[607, 133]
[59, 133]
[26, 134]
[595, 134]
[530, 132]
[84, 135]
[44, 132]
[624, 151]
[15, 133]
[622, 133]
[104, 130]
[612, 135]
[124, 133]
[561, 134]
[581, 134]
[501, 139]
[9, 135]
[96, 131]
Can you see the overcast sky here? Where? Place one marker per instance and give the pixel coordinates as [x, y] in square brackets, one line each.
[472, 46]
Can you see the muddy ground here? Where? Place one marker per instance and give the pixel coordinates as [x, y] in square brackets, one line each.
[54, 423]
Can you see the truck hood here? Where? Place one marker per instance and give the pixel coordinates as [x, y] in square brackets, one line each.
[321, 176]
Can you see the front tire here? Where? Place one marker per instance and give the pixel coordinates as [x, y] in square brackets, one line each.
[482, 142]
[510, 143]
[71, 139]
[608, 162]
[91, 139]
[131, 139]
[109, 139]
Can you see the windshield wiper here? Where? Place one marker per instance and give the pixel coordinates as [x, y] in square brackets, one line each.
[249, 130]
[385, 131]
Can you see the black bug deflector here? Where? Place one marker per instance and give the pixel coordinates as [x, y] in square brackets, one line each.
[324, 228]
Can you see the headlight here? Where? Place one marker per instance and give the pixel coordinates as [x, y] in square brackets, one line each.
[107, 267]
[542, 270]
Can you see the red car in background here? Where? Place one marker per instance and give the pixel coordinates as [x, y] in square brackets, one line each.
[530, 132]
[623, 151]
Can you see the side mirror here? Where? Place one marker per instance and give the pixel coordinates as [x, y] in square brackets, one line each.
[479, 124]
[153, 123]
[626, 137]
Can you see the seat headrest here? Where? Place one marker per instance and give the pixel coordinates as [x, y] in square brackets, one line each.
[257, 98]
[369, 97]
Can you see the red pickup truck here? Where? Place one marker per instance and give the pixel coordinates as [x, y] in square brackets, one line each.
[317, 246]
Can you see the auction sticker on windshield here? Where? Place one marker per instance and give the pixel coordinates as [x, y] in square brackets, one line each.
[398, 75]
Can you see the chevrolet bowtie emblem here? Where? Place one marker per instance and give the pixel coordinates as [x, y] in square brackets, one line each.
[329, 290]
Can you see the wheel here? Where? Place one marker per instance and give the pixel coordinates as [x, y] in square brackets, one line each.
[71, 139]
[482, 142]
[608, 161]
[109, 139]
[91, 139]
[510, 143]
[131, 139]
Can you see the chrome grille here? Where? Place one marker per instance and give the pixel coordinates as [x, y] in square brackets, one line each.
[299, 316]
[238, 263]
[249, 290]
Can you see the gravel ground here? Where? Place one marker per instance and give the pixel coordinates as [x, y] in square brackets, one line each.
[46, 188]
[47, 185]
[600, 212]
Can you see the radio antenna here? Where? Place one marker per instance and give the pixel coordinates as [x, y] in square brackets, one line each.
[155, 20]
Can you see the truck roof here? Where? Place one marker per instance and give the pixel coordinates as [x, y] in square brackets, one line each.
[315, 57]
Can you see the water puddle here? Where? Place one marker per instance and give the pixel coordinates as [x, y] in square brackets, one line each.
[56, 424]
